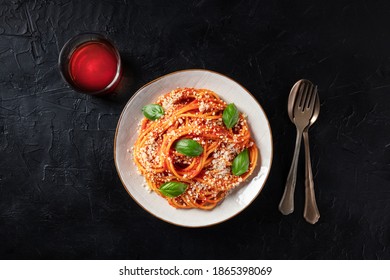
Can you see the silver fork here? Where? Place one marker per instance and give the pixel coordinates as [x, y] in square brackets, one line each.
[303, 106]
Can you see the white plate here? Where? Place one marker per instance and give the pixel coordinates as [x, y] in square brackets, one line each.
[228, 90]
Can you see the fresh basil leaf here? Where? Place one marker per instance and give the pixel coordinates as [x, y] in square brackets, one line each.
[189, 147]
[230, 115]
[241, 163]
[153, 111]
[173, 189]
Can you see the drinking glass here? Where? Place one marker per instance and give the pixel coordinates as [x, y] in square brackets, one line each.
[91, 64]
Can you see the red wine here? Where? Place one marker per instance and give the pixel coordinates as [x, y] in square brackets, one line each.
[93, 66]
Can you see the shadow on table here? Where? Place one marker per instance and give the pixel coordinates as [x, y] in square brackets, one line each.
[125, 88]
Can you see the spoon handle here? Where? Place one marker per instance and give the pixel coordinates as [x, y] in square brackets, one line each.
[286, 205]
[310, 213]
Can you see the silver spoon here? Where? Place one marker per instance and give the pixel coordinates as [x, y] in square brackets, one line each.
[310, 213]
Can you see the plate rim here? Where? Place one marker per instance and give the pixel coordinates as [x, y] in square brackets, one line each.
[162, 77]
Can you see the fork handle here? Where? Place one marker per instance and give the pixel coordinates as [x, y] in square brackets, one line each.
[286, 205]
[310, 213]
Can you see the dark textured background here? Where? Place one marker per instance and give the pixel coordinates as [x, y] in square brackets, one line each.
[60, 196]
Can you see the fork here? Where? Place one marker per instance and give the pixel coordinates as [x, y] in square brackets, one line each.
[304, 103]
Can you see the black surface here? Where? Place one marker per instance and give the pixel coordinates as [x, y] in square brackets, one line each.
[60, 196]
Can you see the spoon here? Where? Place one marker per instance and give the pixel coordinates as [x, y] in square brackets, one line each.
[301, 103]
[311, 213]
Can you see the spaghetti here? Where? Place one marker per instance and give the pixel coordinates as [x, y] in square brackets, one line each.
[194, 114]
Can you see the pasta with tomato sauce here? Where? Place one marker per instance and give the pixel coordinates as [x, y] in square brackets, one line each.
[193, 148]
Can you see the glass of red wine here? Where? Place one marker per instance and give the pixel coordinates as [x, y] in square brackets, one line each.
[91, 64]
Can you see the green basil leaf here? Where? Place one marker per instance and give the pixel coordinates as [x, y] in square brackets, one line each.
[153, 111]
[189, 147]
[241, 163]
[230, 115]
[173, 189]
